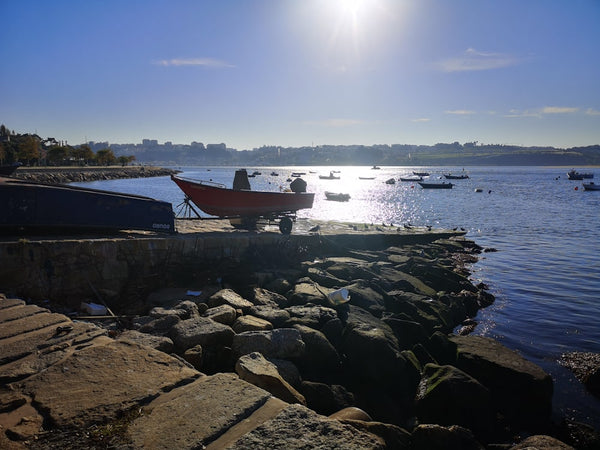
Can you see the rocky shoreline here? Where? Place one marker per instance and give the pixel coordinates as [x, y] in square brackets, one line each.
[63, 175]
[393, 362]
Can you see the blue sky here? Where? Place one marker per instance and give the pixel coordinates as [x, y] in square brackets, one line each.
[303, 72]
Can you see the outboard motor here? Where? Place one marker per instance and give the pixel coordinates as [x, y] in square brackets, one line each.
[298, 185]
[240, 181]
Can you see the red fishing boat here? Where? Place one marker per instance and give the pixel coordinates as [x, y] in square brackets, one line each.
[241, 202]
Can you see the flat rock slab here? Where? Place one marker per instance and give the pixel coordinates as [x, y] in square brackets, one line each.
[195, 415]
[30, 323]
[301, 428]
[18, 312]
[93, 384]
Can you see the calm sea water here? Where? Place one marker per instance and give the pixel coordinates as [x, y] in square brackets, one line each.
[545, 275]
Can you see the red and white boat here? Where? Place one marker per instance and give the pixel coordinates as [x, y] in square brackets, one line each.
[217, 200]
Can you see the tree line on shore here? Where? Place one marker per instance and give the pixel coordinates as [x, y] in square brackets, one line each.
[30, 149]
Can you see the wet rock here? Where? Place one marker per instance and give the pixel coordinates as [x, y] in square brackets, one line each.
[250, 323]
[201, 331]
[351, 413]
[448, 396]
[224, 314]
[329, 399]
[541, 442]
[282, 343]
[161, 343]
[520, 389]
[438, 437]
[255, 369]
[586, 368]
[442, 348]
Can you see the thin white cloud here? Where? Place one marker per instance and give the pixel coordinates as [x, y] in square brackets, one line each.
[558, 110]
[422, 119]
[472, 60]
[204, 62]
[592, 112]
[460, 112]
[540, 112]
[335, 123]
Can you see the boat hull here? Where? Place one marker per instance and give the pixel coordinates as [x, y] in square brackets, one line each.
[52, 207]
[591, 186]
[436, 185]
[222, 202]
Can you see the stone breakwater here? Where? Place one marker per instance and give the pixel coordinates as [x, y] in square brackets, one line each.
[61, 175]
[256, 355]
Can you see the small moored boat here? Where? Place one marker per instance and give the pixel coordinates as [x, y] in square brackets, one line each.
[449, 176]
[414, 178]
[591, 186]
[331, 176]
[574, 175]
[421, 174]
[337, 196]
[442, 185]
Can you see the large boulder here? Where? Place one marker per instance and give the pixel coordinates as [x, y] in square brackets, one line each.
[251, 323]
[364, 296]
[448, 396]
[201, 331]
[277, 317]
[438, 437]
[326, 399]
[225, 314]
[285, 343]
[255, 369]
[520, 389]
[310, 315]
[320, 360]
[161, 343]
[231, 298]
[299, 427]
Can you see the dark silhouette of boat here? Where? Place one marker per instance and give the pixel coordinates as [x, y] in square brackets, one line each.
[442, 185]
[337, 196]
[7, 170]
[47, 207]
[456, 177]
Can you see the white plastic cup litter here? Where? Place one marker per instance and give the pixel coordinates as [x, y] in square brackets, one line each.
[338, 297]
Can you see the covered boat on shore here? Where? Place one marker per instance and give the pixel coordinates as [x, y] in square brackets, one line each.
[43, 207]
[7, 170]
[241, 202]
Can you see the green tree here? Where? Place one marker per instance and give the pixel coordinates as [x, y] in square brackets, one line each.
[56, 155]
[83, 154]
[124, 160]
[105, 157]
[29, 150]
